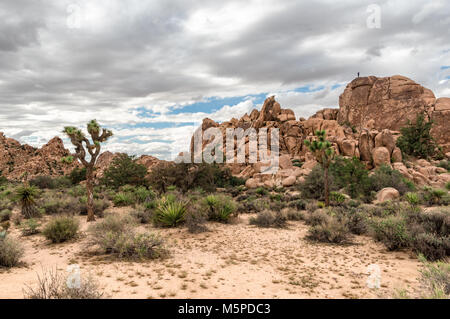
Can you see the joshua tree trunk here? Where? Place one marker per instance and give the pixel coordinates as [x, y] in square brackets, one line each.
[90, 194]
[327, 192]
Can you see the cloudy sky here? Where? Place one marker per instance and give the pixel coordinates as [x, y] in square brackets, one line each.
[152, 70]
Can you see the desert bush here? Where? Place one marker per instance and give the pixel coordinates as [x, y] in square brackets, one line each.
[123, 199]
[298, 204]
[186, 177]
[124, 170]
[115, 235]
[433, 196]
[195, 218]
[220, 207]
[351, 175]
[43, 182]
[169, 212]
[77, 175]
[293, 214]
[61, 229]
[354, 219]
[337, 198]
[412, 198]
[431, 246]
[261, 191]
[416, 139]
[317, 217]
[392, 232]
[447, 186]
[10, 251]
[60, 205]
[5, 215]
[77, 191]
[269, 218]
[143, 215]
[30, 227]
[385, 176]
[313, 186]
[435, 277]
[329, 231]
[53, 285]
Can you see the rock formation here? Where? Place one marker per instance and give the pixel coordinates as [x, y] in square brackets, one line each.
[372, 111]
[20, 162]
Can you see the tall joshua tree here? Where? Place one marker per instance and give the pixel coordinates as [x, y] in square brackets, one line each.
[324, 154]
[82, 143]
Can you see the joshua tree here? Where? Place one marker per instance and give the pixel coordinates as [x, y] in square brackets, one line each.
[324, 154]
[77, 138]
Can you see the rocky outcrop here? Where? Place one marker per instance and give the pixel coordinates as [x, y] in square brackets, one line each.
[366, 126]
[20, 162]
[389, 103]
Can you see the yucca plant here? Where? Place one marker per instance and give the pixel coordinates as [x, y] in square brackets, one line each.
[26, 196]
[169, 212]
[220, 207]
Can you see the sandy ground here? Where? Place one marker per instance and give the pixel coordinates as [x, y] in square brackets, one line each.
[229, 261]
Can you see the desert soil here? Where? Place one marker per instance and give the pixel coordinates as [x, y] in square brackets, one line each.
[229, 261]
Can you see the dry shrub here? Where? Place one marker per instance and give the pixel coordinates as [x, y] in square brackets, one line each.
[53, 285]
[269, 218]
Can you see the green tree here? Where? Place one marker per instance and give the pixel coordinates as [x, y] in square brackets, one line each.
[416, 139]
[124, 171]
[324, 154]
[82, 143]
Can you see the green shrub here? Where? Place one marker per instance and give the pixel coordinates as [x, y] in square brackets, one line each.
[186, 177]
[30, 227]
[61, 229]
[412, 199]
[123, 199]
[416, 139]
[77, 175]
[337, 198]
[392, 232]
[385, 176]
[169, 212]
[220, 207]
[447, 186]
[10, 251]
[124, 170]
[269, 218]
[293, 214]
[432, 196]
[261, 191]
[352, 175]
[5, 215]
[313, 186]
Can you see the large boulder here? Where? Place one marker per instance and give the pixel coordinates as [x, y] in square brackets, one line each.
[389, 101]
[381, 156]
[386, 194]
[289, 181]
